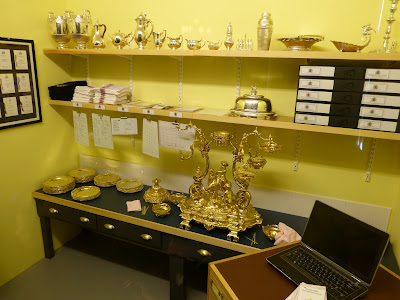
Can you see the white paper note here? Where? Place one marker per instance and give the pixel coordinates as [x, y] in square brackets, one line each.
[173, 138]
[150, 138]
[5, 59]
[7, 83]
[102, 131]
[23, 82]
[308, 292]
[124, 126]
[26, 104]
[81, 128]
[10, 106]
[21, 60]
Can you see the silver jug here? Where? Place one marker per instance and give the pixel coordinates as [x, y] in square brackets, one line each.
[140, 36]
[264, 31]
[158, 40]
[58, 28]
[98, 35]
[175, 43]
[120, 40]
[80, 28]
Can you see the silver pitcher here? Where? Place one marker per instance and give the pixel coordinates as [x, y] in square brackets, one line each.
[140, 36]
[80, 28]
[98, 35]
[195, 44]
[158, 40]
[58, 28]
[175, 43]
[120, 40]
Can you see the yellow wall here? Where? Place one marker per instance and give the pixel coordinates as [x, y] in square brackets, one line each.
[330, 165]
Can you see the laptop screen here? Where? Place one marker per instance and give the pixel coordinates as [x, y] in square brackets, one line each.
[349, 242]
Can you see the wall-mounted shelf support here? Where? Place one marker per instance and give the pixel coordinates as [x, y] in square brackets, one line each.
[239, 71]
[297, 150]
[181, 82]
[370, 159]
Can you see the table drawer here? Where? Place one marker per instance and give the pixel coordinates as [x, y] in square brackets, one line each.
[379, 112]
[382, 100]
[64, 213]
[382, 87]
[129, 232]
[311, 119]
[193, 250]
[311, 107]
[387, 74]
[377, 125]
[330, 71]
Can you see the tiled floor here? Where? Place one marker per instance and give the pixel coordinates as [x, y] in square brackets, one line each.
[95, 267]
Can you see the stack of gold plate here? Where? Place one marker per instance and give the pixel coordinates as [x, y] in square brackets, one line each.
[106, 180]
[129, 185]
[83, 175]
[85, 193]
[58, 185]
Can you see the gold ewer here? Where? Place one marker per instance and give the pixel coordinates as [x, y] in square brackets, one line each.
[141, 37]
[158, 40]
[98, 36]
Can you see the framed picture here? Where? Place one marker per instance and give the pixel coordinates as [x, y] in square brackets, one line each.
[19, 91]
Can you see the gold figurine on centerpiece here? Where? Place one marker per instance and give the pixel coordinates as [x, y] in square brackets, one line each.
[217, 206]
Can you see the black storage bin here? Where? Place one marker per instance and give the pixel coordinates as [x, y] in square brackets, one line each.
[64, 91]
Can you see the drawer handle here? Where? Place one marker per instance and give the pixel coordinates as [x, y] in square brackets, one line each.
[203, 252]
[109, 226]
[53, 211]
[146, 237]
[84, 219]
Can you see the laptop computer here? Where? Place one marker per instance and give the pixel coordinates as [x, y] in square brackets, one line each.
[337, 251]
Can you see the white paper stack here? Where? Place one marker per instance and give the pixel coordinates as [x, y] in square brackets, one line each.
[308, 292]
[111, 94]
[84, 94]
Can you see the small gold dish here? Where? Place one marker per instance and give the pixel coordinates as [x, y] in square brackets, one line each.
[58, 184]
[176, 198]
[271, 231]
[83, 175]
[130, 185]
[301, 42]
[161, 209]
[106, 180]
[156, 194]
[85, 193]
[347, 47]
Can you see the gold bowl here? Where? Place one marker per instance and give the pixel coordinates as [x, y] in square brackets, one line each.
[161, 209]
[301, 42]
[346, 47]
[271, 231]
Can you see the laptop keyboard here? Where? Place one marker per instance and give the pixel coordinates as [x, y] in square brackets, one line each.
[320, 273]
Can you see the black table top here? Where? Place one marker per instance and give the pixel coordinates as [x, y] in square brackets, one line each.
[113, 200]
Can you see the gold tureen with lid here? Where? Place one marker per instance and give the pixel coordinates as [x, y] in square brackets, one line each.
[253, 106]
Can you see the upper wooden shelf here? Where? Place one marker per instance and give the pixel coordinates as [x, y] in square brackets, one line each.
[280, 122]
[233, 53]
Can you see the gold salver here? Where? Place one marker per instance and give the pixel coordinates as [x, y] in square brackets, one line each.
[161, 209]
[85, 193]
[216, 205]
[156, 194]
[83, 175]
[106, 180]
[130, 185]
[58, 184]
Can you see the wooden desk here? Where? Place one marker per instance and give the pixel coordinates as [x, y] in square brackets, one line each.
[250, 277]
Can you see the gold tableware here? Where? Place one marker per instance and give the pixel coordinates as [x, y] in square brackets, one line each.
[271, 231]
[80, 28]
[161, 209]
[106, 180]
[301, 42]
[229, 39]
[158, 39]
[253, 105]
[141, 36]
[195, 44]
[347, 47]
[120, 40]
[83, 175]
[176, 198]
[58, 28]
[58, 184]
[85, 193]
[130, 185]
[214, 46]
[98, 36]
[156, 194]
[264, 31]
[221, 138]
[175, 43]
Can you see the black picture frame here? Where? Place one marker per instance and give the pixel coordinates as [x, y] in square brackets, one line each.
[19, 89]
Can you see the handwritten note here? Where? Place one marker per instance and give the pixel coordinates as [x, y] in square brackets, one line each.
[102, 131]
[81, 128]
[172, 137]
[124, 126]
[150, 138]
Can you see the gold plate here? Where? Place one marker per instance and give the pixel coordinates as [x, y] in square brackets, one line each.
[161, 209]
[106, 180]
[82, 175]
[58, 181]
[130, 185]
[84, 193]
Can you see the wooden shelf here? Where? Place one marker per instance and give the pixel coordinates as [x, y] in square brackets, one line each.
[233, 53]
[281, 122]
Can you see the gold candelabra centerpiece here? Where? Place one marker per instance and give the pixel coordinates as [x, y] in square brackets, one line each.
[216, 205]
